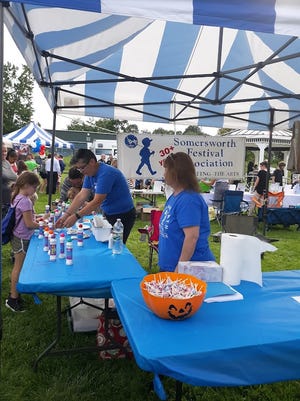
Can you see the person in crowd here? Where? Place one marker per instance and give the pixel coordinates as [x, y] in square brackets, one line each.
[56, 172]
[62, 165]
[73, 191]
[21, 166]
[110, 160]
[43, 173]
[114, 163]
[110, 189]
[31, 163]
[184, 227]
[103, 158]
[24, 188]
[278, 173]
[148, 184]
[12, 158]
[9, 177]
[250, 168]
[260, 186]
[73, 180]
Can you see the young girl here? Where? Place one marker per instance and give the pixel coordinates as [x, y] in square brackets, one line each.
[24, 189]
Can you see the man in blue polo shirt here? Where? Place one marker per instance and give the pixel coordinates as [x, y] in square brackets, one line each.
[111, 193]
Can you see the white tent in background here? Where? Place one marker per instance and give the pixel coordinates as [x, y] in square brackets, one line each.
[33, 135]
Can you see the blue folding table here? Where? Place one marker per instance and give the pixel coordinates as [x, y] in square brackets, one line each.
[251, 341]
[94, 268]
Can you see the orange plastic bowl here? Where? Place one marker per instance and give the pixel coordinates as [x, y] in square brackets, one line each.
[173, 308]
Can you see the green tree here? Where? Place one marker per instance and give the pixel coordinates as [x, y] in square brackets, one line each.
[224, 131]
[193, 130]
[162, 131]
[102, 124]
[17, 97]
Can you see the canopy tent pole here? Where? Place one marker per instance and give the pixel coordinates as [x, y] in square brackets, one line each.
[1, 143]
[52, 151]
[271, 127]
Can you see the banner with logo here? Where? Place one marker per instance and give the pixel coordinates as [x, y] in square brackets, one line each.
[215, 157]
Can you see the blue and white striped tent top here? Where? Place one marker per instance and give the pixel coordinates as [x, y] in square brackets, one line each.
[272, 16]
[32, 133]
[165, 61]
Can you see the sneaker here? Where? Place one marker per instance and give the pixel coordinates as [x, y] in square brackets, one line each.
[21, 300]
[14, 305]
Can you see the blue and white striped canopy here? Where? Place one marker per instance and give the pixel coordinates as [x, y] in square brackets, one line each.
[272, 16]
[32, 133]
[166, 61]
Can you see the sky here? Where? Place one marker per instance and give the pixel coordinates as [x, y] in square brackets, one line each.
[42, 111]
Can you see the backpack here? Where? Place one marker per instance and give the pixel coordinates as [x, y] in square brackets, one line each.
[8, 224]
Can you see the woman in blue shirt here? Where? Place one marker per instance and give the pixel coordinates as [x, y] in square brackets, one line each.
[184, 225]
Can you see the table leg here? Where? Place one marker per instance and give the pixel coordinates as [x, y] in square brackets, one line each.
[58, 334]
[178, 390]
[111, 344]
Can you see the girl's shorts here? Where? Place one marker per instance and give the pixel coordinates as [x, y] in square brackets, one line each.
[19, 245]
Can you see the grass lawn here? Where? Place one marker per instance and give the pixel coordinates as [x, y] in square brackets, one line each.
[83, 377]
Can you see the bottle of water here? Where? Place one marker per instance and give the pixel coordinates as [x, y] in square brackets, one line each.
[117, 239]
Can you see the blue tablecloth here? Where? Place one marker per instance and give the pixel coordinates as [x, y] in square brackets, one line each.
[256, 340]
[94, 267]
[283, 215]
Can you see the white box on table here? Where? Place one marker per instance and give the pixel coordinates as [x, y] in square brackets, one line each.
[209, 271]
[101, 233]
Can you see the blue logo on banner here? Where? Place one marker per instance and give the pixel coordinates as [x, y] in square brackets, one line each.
[131, 141]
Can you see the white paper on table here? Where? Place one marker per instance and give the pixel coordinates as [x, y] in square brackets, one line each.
[240, 258]
[297, 298]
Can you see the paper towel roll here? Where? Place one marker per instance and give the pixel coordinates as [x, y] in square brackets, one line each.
[241, 258]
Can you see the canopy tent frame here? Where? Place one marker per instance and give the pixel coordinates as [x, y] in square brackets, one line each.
[148, 81]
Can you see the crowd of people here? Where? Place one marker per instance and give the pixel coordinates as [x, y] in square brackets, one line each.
[15, 163]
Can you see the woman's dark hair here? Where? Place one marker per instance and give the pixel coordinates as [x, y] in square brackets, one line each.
[83, 154]
[26, 178]
[182, 170]
[11, 153]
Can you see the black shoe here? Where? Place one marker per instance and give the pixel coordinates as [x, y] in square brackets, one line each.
[21, 300]
[14, 304]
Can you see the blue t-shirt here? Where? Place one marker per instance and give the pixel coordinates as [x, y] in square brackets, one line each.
[183, 210]
[110, 181]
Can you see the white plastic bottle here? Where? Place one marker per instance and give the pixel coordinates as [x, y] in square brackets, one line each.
[56, 215]
[62, 241]
[47, 209]
[117, 240]
[41, 229]
[52, 249]
[80, 235]
[46, 239]
[69, 252]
